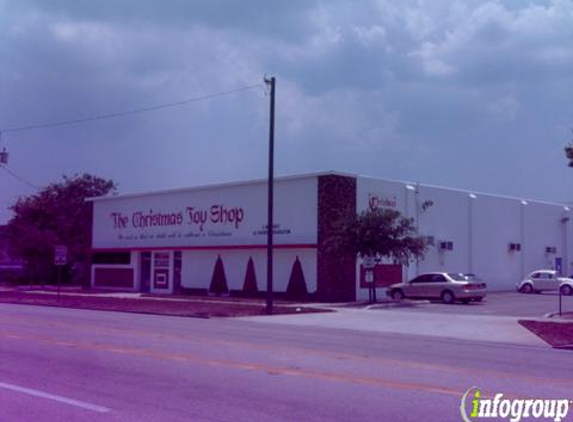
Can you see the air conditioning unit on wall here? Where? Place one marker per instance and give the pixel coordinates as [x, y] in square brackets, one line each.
[429, 240]
[446, 245]
[514, 247]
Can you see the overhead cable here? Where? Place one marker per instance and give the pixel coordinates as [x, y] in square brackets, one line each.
[21, 179]
[128, 112]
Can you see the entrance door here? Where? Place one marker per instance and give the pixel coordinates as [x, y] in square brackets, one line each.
[145, 272]
[162, 272]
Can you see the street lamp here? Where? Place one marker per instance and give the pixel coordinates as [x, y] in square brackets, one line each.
[416, 191]
[523, 203]
[3, 153]
[569, 152]
[3, 156]
[471, 198]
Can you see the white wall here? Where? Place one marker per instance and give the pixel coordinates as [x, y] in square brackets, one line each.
[497, 223]
[481, 228]
[447, 220]
[198, 265]
[543, 228]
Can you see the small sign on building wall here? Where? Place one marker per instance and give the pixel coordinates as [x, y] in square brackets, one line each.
[60, 255]
[369, 276]
[369, 262]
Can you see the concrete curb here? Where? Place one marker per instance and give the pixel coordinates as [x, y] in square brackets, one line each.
[369, 306]
[402, 304]
[555, 317]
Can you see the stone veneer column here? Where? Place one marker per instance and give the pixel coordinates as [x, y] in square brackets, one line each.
[336, 272]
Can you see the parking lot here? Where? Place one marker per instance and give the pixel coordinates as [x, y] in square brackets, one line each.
[503, 304]
[497, 318]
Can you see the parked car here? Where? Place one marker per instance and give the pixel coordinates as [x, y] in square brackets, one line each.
[545, 280]
[448, 287]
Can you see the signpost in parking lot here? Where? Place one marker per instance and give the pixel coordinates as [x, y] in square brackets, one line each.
[369, 263]
[60, 259]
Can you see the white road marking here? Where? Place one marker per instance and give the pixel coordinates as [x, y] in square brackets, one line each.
[53, 397]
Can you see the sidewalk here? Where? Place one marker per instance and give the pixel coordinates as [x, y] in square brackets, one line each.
[186, 306]
[383, 317]
[492, 329]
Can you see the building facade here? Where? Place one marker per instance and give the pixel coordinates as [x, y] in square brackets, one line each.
[213, 238]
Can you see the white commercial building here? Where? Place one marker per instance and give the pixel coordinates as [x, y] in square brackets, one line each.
[213, 238]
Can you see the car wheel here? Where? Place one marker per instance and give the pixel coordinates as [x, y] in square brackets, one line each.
[397, 295]
[566, 290]
[526, 288]
[448, 297]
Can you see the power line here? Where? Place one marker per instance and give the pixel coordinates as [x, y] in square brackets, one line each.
[21, 179]
[127, 113]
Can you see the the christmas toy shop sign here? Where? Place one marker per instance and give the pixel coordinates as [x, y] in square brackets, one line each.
[156, 226]
[234, 216]
[192, 216]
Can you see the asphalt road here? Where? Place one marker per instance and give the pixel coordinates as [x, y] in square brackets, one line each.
[77, 365]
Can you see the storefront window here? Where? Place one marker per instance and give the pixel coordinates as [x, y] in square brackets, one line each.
[118, 258]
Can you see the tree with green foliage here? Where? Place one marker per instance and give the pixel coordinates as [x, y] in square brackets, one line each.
[56, 215]
[382, 232]
[379, 233]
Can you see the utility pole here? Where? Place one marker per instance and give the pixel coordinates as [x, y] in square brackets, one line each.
[271, 83]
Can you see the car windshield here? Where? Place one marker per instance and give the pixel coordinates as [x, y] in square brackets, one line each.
[463, 277]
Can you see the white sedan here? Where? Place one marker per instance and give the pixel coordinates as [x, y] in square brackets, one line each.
[545, 280]
[448, 287]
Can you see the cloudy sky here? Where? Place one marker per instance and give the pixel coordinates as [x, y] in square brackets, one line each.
[471, 94]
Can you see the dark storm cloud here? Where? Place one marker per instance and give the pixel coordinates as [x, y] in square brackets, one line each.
[272, 18]
[443, 91]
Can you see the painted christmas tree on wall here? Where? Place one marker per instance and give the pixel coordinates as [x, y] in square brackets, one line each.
[296, 288]
[250, 285]
[219, 280]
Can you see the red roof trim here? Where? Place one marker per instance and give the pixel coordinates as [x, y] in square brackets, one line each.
[205, 248]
